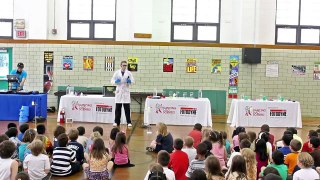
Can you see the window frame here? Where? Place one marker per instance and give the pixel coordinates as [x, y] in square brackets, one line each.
[195, 26]
[91, 25]
[298, 28]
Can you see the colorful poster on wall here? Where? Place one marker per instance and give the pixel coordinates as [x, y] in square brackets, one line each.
[67, 62]
[272, 69]
[133, 64]
[316, 71]
[216, 66]
[168, 64]
[191, 64]
[4, 65]
[299, 69]
[234, 75]
[109, 63]
[88, 62]
[47, 71]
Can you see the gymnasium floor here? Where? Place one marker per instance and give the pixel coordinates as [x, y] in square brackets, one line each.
[138, 139]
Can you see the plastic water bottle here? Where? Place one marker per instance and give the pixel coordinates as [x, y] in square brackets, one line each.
[200, 93]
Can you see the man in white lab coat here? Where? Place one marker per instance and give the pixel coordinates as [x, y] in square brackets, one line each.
[123, 79]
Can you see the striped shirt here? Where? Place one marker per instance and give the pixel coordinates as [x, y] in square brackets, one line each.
[61, 159]
[195, 164]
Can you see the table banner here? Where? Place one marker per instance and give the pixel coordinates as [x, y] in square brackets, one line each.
[178, 111]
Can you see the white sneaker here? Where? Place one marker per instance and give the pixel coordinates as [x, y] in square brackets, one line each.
[114, 125]
[129, 125]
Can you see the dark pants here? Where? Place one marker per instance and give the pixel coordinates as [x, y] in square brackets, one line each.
[126, 111]
[75, 167]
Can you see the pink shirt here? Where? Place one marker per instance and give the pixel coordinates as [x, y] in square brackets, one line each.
[219, 152]
[121, 158]
[235, 140]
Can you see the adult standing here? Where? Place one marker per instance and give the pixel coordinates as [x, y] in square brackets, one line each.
[21, 77]
[123, 79]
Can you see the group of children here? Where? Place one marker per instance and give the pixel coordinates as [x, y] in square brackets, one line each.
[208, 154]
[34, 156]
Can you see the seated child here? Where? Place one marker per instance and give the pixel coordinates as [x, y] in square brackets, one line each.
[90, 140]
[59, 130]
[120, 151]
[23, 127]
[278, 163]
[98, 166]
[9, 167]
[64, 159]
[305, 162]
[179, 161]
[75, 146]
[36, 164]
[41, 129]
[198, 163]
[113, 134]
[292, 158]
[189, 149]
[28, 137]
[81, 138]
[163, 159]
[196, 134]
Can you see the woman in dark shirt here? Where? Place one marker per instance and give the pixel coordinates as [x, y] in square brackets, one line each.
[164, 140]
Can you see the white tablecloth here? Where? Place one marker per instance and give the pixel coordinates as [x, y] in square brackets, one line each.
[178, 111]
[91, 108]
[249, 113]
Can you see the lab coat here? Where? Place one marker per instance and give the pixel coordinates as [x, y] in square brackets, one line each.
[123, 88]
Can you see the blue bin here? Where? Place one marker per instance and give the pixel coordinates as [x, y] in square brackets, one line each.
[25, 110]
[24, 114]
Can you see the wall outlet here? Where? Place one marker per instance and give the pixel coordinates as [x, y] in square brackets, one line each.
[54, 31]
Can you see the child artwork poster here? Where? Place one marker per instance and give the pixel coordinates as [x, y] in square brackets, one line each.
[67, 62]
[298, 69]
[233, 79]
[109, 62]
[216, 66]
[191, 65]
[133, 64]
[47, 71]
[88, 62]
[316, 71]
[168, 64]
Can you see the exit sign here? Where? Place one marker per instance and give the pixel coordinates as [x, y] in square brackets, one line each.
[21, 33]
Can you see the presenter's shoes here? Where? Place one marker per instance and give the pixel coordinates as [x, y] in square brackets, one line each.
[114, 125]
[129, 125]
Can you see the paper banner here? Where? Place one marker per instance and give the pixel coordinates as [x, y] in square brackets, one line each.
[47, 71]
[67, 62]
[109, 63]
[216, 66]
[299, 69]
[132, 63]
[233, 79]
[168, 64]
[316, 71]
[88, 62]
[191, 64]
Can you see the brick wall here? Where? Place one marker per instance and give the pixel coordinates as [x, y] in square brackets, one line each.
[252, 79]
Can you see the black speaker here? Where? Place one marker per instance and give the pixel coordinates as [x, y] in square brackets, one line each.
[251, 55]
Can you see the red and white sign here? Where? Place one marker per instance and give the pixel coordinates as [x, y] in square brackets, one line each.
[249, 113]
[92, 108]
[178, 111]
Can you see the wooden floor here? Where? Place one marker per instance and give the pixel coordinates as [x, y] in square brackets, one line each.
[138, 139]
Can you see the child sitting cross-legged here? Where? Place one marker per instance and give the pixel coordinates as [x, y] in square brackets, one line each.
[64, 159]
[36, 164]
[120, 151]
[98, 166]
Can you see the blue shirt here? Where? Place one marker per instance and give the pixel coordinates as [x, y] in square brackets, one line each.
[20, 77]
[78, 148]
[20, 136]
[285, 150]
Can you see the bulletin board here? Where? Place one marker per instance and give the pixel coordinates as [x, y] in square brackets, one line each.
[5, 66]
